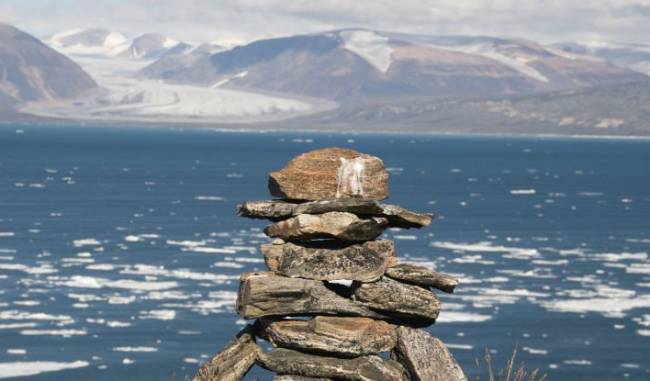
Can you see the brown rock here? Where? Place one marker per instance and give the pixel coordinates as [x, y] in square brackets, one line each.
[266, 294]
[426, 357]
[363, 262]
[365, 368]
[399, 299]
[278, 210]
[271, 209]
[331, 173]
[233, 362]
[343, 336]
[299, 378]
[404, 218]
[339, 225]
[423, 276]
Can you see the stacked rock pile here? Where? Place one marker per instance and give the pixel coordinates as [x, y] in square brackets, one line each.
[335, 303]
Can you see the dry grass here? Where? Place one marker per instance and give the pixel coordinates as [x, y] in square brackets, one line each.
[509, 372]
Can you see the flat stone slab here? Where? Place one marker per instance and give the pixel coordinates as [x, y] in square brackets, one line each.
[341, 336]
[426, 357]
[278, 209]
[423, 276]
[266, 294]
[233, 362]
[365, 262]
[365, 368]
[399, 299]
[299, 378]
[339, 225]
[331, 173]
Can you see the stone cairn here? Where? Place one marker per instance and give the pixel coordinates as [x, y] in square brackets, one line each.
[335, 298]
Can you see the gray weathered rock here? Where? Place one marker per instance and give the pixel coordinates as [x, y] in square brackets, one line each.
[339, 225]
[270, 209]
[233, 362]
[404, 218]
[331, 173]
[365, 368]
[278, 209]
[399, 299]
[266, 294]
[342, 336]
[426, 357]
[423, 276]
[363, 262]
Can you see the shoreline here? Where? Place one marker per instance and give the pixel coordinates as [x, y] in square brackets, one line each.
[250, 128]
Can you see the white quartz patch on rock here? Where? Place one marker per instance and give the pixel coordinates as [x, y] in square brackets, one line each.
[349, 177]
[371, 46]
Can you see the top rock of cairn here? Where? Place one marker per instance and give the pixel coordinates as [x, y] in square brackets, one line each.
[335, 303]
[331, 173]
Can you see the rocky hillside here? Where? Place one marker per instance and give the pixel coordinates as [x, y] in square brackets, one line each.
[354, 64]
[31, 71]
[620, 109]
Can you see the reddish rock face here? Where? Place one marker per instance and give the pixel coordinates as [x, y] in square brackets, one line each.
[331, 173]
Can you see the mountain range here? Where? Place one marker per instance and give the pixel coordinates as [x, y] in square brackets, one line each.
[359, 64]
[348, 79]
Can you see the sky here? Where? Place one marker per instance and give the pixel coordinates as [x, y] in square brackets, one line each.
[239, 21]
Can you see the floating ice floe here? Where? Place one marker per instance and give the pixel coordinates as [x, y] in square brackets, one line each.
[209, 198]
[487, 247]
[31, 368]
[53, 332]
[158, 315]
[135, 349]
[82, 281]
[462, 317]
[534, 351]
[41, 269]
[86, 242]
[523, 191]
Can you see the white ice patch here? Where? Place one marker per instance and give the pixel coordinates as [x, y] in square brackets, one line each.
[522, 191]
[7, 234]
[462, 317]
[158, 314]
[80, 281]
[609, 306]
[534, 351]
[371, 46]
[23, 315]
[487, 247]
[208, 198]
[30, 368]
[86, 242]
[135, 349]
[54, 332]
[349, 177]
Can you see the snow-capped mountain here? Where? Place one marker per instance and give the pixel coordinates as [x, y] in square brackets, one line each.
[356, 63]
[107, 44]
[154, 46]
[632, 56]
[89, 42]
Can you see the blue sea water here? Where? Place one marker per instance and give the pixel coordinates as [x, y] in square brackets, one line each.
[120, 249]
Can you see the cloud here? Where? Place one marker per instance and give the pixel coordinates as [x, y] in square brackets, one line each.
[245, 20]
